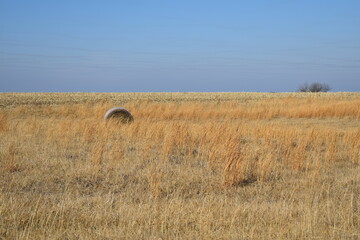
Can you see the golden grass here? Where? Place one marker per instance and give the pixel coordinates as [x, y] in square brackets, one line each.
[210, 166]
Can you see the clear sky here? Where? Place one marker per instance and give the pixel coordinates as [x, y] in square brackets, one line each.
[197, 45]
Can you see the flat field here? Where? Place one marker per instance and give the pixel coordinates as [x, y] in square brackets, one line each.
[191, 166]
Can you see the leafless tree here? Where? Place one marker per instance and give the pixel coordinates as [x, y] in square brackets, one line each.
[314, 87]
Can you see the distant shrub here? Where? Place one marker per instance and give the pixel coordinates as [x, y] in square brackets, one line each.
[314, 87]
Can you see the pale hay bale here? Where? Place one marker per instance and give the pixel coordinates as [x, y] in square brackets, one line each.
[119, 113]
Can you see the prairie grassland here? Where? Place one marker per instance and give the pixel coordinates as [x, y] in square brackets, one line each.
[206, 166]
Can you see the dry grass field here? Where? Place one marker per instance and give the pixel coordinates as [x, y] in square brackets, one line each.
[191, 166]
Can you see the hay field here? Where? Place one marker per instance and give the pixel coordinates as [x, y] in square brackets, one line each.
[191, 166]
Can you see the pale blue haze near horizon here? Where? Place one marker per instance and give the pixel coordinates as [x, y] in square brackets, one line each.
[178, 46]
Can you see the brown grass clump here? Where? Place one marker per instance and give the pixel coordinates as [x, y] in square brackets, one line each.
[211, 166]
[3, 122]
[9, 159]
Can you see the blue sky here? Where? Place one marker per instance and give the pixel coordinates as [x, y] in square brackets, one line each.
[137, 46]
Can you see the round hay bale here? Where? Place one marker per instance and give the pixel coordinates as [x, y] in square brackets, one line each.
[120, 114]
